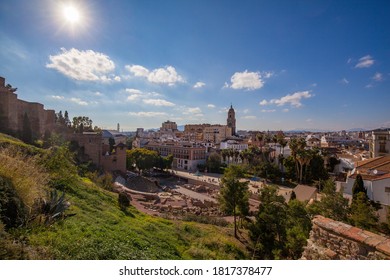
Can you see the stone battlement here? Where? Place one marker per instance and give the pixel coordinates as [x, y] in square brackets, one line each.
[333, 240]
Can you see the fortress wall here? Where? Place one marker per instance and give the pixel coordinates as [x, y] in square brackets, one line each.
[333, 240]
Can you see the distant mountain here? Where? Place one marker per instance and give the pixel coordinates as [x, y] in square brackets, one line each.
[358, 129]
[300, 130]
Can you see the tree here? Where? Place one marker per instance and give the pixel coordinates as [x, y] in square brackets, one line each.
[363, 214]
[268, 232]
[66, 119]
[142, 158]
[296, 145]
[214, 163]
[123, 200]
[81, 124]
[111, 143]
[234, 194]
[358, 186]
[332, 204]
[298, 228]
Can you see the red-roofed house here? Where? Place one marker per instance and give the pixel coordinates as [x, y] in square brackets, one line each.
[376, 176]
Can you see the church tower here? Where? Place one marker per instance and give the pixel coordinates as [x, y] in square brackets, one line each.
[231, 120]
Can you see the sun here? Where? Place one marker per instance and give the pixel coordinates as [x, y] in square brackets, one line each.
[71, 14]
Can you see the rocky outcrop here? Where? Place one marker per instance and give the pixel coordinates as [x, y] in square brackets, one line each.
[333, 240]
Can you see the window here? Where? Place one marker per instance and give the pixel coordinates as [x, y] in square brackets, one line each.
[387, 189]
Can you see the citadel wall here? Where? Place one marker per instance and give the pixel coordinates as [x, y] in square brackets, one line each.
[333, 240]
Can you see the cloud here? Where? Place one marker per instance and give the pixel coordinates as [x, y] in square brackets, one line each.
[158, 102]
[193, 110]
[147, 114]
[78, 101]
[211, 106]
[309, 120]
[264, 102]
[365, 62]
[246, 80]
[344, 81]
[167, 75]
[268, 111]
[138, 70]
[249, 117]
[199, 85]
[58, 97]
[83, 65]
[133, 91]
[378, 77]
[293, 99]
[75, 100]
[286, 110]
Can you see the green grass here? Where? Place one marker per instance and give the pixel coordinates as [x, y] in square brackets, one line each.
[99, 229]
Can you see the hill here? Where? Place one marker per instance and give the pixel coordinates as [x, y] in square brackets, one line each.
[94, 226]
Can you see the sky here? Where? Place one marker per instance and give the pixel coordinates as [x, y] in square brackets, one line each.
[282, 65]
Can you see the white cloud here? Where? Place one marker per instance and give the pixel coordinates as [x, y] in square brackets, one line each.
[196, 111]
[98, 93]
[246, 111]
[246, 80]
[365, 62]
[249, 117]
[264, 102]
[292, 99]
[199, 85]
[58, 97]
[344, 81]
[167, 75]
[147, 114]
[133, 91]
[268, 111]
[369, 86]
[83, 65]
[138, 70]
[309, 120]
[286, 110]
[133, 97]
[158, 102]
[78, 101]
[210, 105]
[378, 77]
[117, 78]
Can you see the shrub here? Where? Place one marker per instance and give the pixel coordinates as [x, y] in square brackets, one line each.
[123, 200]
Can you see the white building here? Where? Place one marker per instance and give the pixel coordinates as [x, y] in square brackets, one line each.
[234, 145]
[380, 143]
[376, 176]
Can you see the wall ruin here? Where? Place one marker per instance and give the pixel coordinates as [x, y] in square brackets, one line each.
[333, 240]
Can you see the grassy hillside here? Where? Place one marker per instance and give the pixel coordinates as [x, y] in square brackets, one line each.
[96, 227]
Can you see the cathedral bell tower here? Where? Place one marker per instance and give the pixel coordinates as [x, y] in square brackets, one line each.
[231, 120]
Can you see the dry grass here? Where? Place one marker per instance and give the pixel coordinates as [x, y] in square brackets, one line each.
[27, 175]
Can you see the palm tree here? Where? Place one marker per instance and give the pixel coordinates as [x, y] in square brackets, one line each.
[297, 145]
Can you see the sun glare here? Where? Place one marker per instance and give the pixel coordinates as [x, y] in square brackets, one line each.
[71, 14]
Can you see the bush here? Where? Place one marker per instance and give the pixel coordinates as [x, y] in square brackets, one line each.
[13, 213]
[123, 201]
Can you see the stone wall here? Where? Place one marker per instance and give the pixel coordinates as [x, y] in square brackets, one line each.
[12, 111]
[333, 240]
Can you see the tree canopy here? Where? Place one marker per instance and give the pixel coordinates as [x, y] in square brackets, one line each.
[234, 194]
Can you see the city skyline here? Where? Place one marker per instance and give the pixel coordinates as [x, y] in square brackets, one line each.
[282, 65]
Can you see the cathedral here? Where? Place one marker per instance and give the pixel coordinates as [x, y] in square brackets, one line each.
[231, 120]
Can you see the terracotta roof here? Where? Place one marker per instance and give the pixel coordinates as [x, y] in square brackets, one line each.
[305, 193]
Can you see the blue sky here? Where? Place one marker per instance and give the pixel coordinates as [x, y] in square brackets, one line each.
[281, 64]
